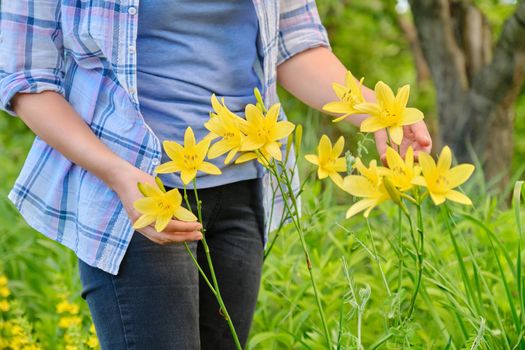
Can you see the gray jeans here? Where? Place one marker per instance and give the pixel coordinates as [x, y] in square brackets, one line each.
[158, 299]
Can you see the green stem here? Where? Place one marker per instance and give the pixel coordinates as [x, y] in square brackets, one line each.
[420, 256]
[297, 224]
[376, 258]
[212, 271]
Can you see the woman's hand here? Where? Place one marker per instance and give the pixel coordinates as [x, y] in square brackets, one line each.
[127, 190]
[415, 135]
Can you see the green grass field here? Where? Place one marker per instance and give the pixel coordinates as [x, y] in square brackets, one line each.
[471, 297]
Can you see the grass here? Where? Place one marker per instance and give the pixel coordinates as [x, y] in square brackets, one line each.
[472, 294]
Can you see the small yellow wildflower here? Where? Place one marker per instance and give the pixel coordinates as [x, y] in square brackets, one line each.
[4, 305]
[69, 321]
[403, 172]
[3, 281]
[4, 292]
[328, 159]
[389, 112]
[262, 133]
[160, 206]
[65, 306]
[440, 178]
[368, 185]
[187, 159]
[349, 96]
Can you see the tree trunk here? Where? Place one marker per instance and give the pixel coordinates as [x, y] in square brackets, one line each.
[476, 85]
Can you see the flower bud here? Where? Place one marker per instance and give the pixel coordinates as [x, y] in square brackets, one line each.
[392, 190]
[160, 184]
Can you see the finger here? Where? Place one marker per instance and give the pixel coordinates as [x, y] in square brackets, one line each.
[175, 237]
[381, 144]
[421, 133]
[182, 226]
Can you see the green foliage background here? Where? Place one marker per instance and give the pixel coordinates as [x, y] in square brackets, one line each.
[366, 37]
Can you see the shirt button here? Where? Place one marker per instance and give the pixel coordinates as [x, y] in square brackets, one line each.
[132, 90]
[156, 161]
[132, 10]
[131, 49]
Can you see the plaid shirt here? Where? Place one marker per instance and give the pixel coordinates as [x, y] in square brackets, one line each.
[85, 50]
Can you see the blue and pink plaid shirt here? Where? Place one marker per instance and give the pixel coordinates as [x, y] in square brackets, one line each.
[85, 50]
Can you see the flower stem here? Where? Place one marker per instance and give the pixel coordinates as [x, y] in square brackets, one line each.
[218, 295]
[294, 214]
[419, 252]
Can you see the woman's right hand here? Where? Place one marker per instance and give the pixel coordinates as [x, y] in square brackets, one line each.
[127, 190]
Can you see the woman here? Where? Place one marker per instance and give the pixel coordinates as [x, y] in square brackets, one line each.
[102, 83]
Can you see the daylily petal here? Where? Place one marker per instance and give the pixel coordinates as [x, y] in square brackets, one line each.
[174, 196]
[189, 138]
[428, 165]
[337, 107]
[337, 179]
[393, 159]
[145, 205]
[359, 186]
[340, 165]
[412, 116]
[371, 124]
[151, 191]
[396, 132]
[274, 150]
[184, 214]
[209, 168]
[230, 155]
[445, 160]
[458, 197]
[273, 114]
[281, 130]
[187, 175]
[162, 221]
[338, 147]
[402, 95]
[358, 207]
[324, 147]
[419, 181]
[437, 198]
[218, 149]
[173, 149]
[143, 221]
[384, 94]
[246, 157]
[338, 119]
[168, 167]
[459, 174]
[312, 158]
[339, 90]
[368, 108]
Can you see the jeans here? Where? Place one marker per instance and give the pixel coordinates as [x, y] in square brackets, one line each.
[158, 300]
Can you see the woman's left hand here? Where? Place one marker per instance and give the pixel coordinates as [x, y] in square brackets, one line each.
[415, 135]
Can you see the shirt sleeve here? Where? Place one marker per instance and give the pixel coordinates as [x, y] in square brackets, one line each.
[31, 49]
[300, 28]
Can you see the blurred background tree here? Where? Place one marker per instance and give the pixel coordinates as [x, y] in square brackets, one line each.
[464, 59]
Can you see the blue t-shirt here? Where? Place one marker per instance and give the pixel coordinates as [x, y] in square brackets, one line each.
[187, 50]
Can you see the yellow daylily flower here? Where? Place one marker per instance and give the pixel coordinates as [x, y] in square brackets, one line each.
[161, 207]
[389, 112]
[349, 96]
[368, 185]
[187, 159]
[225, 124]
[403, 172]
[440, 178]
[262, 133]
[328, 159]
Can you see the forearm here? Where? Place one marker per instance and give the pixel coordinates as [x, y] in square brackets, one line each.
[55, 121]
[309, 76]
